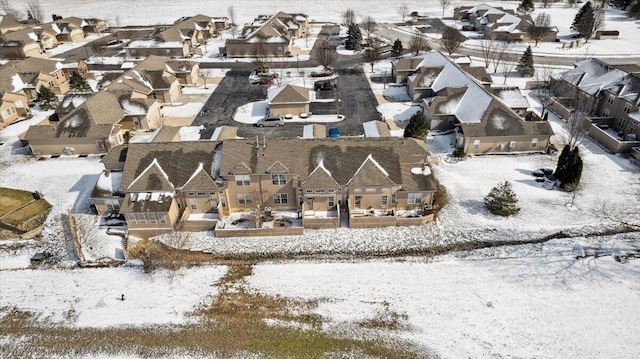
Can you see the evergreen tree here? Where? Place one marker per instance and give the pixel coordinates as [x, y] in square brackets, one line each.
[501, 200]
[569, 169]
[525, 7]
[397, 48]
[78, 83]
[587, 21]
[418, 126]
[633, 9]
[354, 38]
[46, 99]
[525, 66]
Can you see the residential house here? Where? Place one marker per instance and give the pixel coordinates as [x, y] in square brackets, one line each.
[182, 39]
[453, 100]
[500, 24]
[13, 107]
[512, 97]
[86, 26]
[288, 99]
[43, 72]
[88, 129]
[608, 95]
[10, 23]
[268, 36]
[187, 72]
[191, 185]
[152, 79]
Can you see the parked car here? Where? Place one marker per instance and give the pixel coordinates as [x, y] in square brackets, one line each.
[325, 85]
[261, 78]
[334, 132]
[270, 121]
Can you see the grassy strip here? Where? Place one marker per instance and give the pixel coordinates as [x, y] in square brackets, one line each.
[27, 212]
[12, 199]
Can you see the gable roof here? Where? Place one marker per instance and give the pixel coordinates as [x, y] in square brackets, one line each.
[320, 177]
[179, 160]
[200, 180]
[152, 178]
[370, 173]
[511, 96]
[277, 167]
[288, 94]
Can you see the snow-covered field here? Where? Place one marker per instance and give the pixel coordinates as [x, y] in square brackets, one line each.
[93, 297]
[533, 301]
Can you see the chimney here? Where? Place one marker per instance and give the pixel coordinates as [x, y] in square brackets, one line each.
[264, 141]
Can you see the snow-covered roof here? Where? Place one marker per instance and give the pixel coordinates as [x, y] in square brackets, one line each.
[371, 129]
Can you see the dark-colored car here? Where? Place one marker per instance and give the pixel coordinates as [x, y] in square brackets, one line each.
[270, 121]
[334, 132]
[325, 85]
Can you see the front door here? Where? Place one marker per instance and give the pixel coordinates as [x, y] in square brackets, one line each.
[310, 204]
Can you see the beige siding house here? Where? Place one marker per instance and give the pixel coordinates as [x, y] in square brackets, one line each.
[454, 100]
[288, 99]
[192, 185]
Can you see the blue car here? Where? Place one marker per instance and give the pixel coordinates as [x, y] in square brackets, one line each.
[334, 132]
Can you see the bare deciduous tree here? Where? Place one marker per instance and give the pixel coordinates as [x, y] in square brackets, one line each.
[498, 54]
[540, 27]
[508, 63]
[10, 10]
[451, 39]
[576, 128]
[325, 54]
[488, 48]
[369, 26]
[418, 43]
[544, 92]
[372, 53]
[231, 13]
[445, 4]
[35, 11]
[403, 9]
[349, 17]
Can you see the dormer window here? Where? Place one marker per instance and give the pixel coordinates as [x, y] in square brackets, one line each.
[279, 180]
[243, 180]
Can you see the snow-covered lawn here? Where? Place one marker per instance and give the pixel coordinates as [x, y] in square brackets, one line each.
[184, 110]
[534, 301]
[92, 297]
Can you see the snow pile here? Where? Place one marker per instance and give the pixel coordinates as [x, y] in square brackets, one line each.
[190, 133]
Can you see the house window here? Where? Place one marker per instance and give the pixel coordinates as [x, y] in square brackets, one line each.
[383, 200]
[132, 218]
[414, 198]
[512, 144]
[534, 143]
[243, 180]
[621, 122]
[223, 202]
[152, 217]
[162, 218]
[358, 201]
[627, 107]
[331, 191]
[301, 200]
[393, 198]
[610, 99]
[370, 190]
[154, 95]
[476, 144]
[357, 190]
[142, 218]
[279, 180]
[245, 198]
[50, 83]
[191, 194]
[331, 202]
[280, 198]
[308, 191]
[193, 204]
[319, 191]
[100, 144]
[606, 112]
[202, 193]
[112, 205]
[10, 111]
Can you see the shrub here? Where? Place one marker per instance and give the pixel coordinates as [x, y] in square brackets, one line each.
[501, 200]
[459, 152]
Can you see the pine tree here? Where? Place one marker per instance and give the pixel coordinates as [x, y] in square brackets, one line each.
[354, 38]
[569, 169]
[79, 83]
[525, 7]
[397, 48]
[525, 66]
[587, 21]
[418, 126]
[46, 98]
[501, 200]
